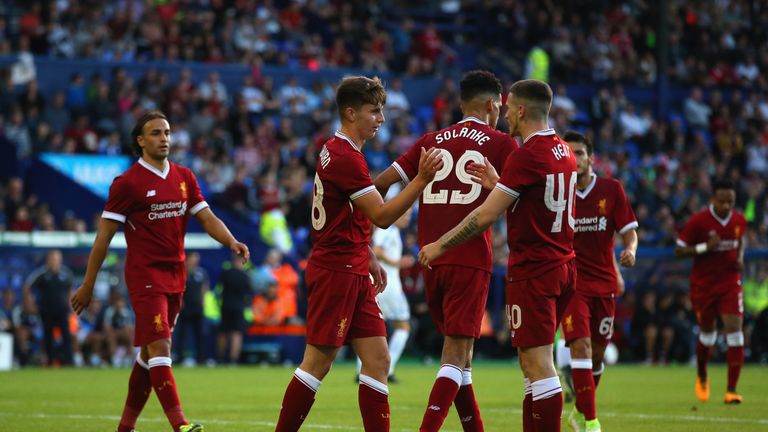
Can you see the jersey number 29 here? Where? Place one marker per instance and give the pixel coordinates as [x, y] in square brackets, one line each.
[441, 196]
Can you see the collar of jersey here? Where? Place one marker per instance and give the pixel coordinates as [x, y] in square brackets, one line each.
[588, 189]
[162, 174]
[723, 222]
[346, 138]
[473, 119]
[549, 131]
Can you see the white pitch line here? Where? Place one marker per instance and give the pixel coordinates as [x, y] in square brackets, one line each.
[203, 421]
[682, 418]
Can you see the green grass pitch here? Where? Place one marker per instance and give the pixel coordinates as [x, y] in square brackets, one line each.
[630, 398]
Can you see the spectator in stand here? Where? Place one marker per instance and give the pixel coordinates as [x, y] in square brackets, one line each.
[27, 328]
[51, 285]
[268, 308]
[191, 319]
[236, 294]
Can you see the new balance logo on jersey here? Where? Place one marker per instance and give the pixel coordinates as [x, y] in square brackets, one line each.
[151, 193]
[167, 210]
[591, 224]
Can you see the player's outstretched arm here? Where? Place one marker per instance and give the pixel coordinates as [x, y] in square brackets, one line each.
[386, 179]
[627, 257]
[219, 232]
[383, 214]
[475, 223]
[82, 296]
[483, 174]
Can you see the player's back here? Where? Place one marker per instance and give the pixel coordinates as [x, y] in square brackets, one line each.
[717, 267]
[541, 174]
[452, 195]
[602, 209]
[340, 233]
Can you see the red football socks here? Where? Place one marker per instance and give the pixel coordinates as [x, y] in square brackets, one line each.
[441, 398]
[702, 357]
[297, 401]
[466, 406]
[528, 425]
[373, 397]
[547, 404]
[165, 388]
[584, 386]
[139, 389]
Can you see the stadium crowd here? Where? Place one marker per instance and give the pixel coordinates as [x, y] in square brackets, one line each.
[254, 147]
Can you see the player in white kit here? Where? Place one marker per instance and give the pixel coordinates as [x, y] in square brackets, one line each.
[388, 247]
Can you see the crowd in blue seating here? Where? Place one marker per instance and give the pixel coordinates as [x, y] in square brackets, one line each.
[254, 146]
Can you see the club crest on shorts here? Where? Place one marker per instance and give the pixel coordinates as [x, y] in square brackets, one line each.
[568, 323]
[342, 327]
[158, 321]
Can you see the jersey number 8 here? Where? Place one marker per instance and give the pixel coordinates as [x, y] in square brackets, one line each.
[318, 211]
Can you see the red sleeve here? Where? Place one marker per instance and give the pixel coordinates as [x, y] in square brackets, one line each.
[120, 203]
[517, 174]
[352, 176]
[195, 201]
[623, 217]
[407, 165]
[688, 236]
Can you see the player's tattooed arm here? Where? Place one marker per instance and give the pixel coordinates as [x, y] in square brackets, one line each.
[467, 229]
[472, 225]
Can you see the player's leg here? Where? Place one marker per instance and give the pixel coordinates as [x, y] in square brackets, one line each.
[734, 337]
[373, 392]
[160, 362]
[466, 403]
[448, 381]
[598, 364]
[300, 394]
[706, 315]
[456, 297]
[401, 331]
[576, 331]
[546, 394]
[139, 389]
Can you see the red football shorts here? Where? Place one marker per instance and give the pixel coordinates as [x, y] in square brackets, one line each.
[156, 314]
[535, 305]
[708, 304]
[589, 316]
[341, 307]
[456, 297]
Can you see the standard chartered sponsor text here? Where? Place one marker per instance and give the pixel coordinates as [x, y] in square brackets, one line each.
[167, 210]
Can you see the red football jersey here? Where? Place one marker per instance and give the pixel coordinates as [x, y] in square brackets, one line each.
[601, 210]
[715, 271]
[340, 233]
[154, 207]
[452, 195]
[541, 174]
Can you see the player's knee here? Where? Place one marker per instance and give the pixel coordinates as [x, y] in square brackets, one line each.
[581, 348]
[377, 363]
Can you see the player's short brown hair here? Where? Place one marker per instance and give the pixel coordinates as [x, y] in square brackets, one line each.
[479, 82]
[536, 94]
[138, 129]
[356, 91]
[573, 136]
